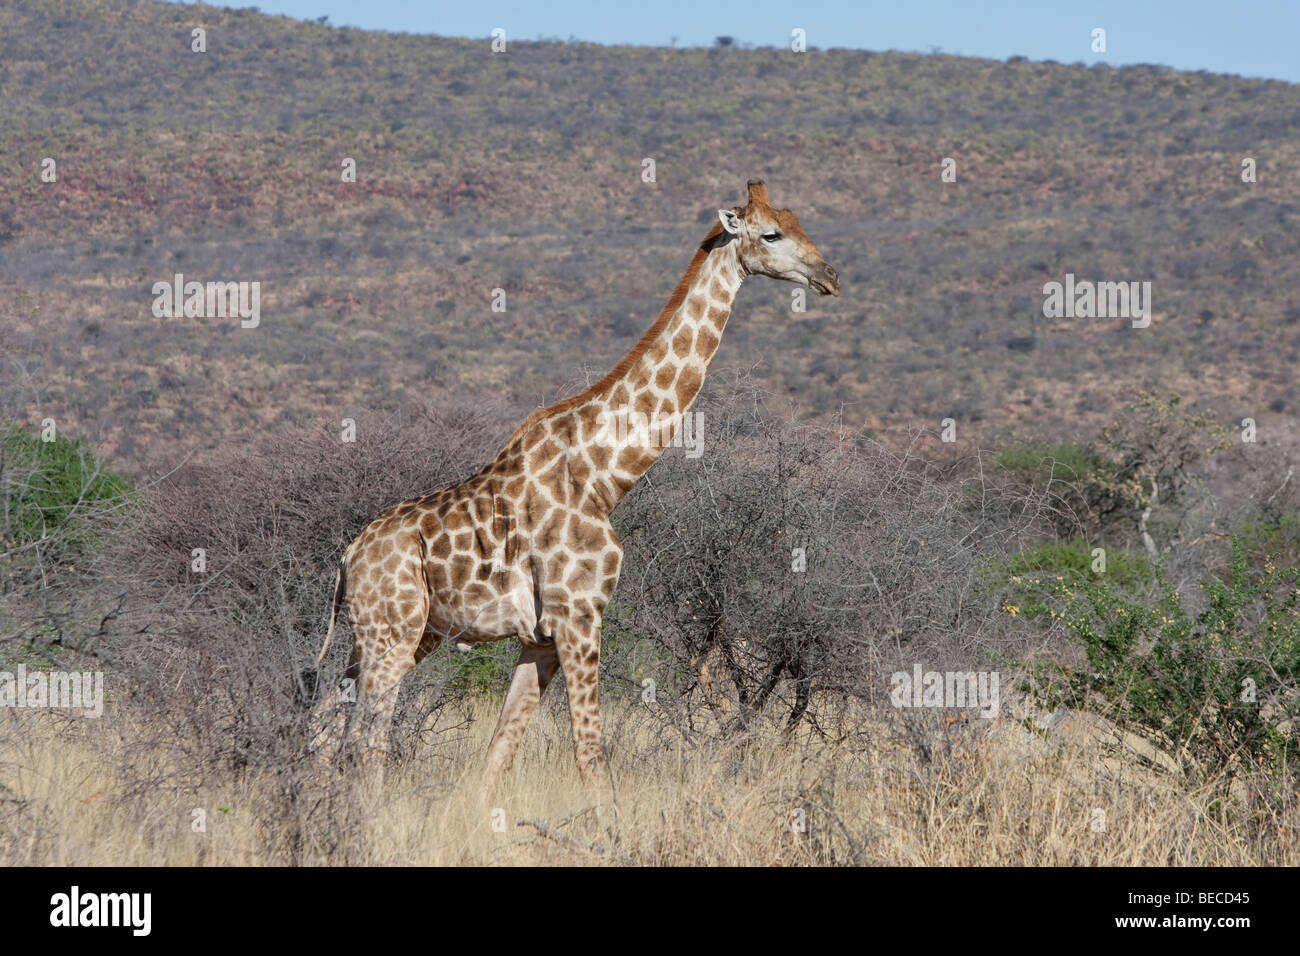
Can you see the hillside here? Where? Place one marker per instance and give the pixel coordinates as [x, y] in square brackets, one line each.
[522, 171]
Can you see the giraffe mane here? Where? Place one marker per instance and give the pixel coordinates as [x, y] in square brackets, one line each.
[618, 371]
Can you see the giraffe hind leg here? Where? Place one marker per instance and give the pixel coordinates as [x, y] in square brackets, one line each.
[390, 637]
[536, 666]
[329, 720]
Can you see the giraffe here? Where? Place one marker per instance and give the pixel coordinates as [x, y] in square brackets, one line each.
[525, 549]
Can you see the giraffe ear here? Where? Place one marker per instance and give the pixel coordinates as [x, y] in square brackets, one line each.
[730, 221]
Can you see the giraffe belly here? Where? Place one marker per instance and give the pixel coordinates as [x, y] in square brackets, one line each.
[473, 619]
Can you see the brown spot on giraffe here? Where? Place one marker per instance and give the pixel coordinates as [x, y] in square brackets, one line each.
[683, 341]
[705, 341]
[688, 386]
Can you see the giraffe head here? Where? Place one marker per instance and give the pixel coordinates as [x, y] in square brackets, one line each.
[772, 243]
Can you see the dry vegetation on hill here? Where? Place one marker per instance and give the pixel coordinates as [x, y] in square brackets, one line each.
[523, 171]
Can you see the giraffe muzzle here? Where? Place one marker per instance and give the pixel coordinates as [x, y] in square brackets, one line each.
[826, 281]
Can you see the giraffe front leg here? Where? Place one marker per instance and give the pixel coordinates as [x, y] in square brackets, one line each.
[380, 701]
[533, 672]
[578, 646]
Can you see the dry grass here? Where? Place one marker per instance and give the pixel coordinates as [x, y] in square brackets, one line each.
[988, 793]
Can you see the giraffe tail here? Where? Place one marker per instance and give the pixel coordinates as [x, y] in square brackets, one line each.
[340, 583]
[307, 677]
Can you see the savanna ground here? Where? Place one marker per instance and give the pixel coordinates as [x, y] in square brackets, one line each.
[1148, 700]
[685, 799]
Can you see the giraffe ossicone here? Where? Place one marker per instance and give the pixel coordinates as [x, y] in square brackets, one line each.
[525, 549]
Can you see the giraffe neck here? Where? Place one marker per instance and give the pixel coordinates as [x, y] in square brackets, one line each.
[640, 406]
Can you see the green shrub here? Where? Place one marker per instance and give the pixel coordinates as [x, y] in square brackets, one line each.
[49, 489]
[1272, 541]
[1219, 686]
[483, 673]
[1064, 462]
[1073, 476]
[1073, 561]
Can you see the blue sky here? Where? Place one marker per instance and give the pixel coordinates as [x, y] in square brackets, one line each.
[1247, 37]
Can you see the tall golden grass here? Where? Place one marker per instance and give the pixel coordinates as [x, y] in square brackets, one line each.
[978, 793]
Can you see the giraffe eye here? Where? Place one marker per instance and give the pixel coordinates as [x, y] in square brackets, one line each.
[772, 237]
